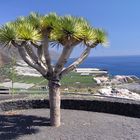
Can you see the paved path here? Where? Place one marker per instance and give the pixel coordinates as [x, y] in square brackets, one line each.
[9, 96]
[76, 125]
[16, 85]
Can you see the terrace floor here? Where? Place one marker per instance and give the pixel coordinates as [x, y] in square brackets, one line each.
[33, 124]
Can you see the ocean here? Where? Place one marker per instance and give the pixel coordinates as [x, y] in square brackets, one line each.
[115, 65]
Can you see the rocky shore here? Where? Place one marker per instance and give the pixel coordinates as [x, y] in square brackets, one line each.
[119, 86]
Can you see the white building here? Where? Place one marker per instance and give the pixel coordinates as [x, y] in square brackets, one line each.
[88, 71]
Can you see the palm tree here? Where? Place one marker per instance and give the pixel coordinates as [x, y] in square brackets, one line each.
[42, 31]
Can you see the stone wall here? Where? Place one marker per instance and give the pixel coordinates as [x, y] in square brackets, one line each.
[113, 106]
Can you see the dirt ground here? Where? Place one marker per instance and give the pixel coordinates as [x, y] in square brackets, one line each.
[33, 124]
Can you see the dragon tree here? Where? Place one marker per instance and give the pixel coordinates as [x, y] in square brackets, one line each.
[33, 35]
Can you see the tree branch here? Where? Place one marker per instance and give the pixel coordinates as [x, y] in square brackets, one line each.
[45, 49]
[63, 59]
[41, 55]
[77, 62]
[25, 56]
[35, 45]
[31, 53]
[29, 61]
[68, 47]
[33, 56]
[40, 52]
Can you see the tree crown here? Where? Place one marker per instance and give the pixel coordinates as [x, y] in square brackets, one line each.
[57, 28]
[41, 31]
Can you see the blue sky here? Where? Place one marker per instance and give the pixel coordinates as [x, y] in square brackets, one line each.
[120, 18]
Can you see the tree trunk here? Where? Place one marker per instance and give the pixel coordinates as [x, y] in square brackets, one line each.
[54, 99]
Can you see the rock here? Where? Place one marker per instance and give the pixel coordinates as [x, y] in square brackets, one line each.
[129, 79]
[134, 77]
[115, 82]
[118, 92]
[101, 80]
[105, 91]
[97, 81]
[66, 89]
[119, 79]
[114, 90]
[135, 87]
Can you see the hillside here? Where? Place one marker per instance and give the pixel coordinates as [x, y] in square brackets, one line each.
[4, 59]
[6, 54]
[22, 68]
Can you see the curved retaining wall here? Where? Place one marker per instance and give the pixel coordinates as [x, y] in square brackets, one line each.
[113, 106]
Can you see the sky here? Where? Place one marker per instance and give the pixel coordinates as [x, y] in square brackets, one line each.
[120, 18]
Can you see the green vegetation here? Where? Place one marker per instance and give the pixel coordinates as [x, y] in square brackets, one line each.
[8, 71]
[30, 79]
[72, 79]
[76, 80]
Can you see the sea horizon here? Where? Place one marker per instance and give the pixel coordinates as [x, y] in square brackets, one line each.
[115, 65]
[110, 56]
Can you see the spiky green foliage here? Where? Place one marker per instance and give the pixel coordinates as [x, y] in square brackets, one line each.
[101, 36]
[49, 22]
[25, 31]
[65, 29]
[7, 34]
[20, 30]
[35, 20]
[85, 31]
[59, 29]
[72, 29]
